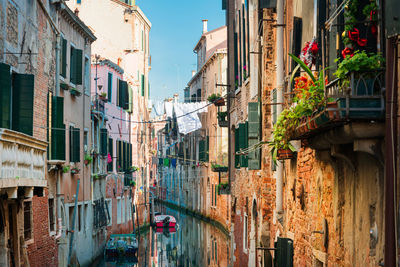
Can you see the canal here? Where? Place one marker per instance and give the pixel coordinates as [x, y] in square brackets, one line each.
[195, 243]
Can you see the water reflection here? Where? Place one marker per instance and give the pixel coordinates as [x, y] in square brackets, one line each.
[195, 243]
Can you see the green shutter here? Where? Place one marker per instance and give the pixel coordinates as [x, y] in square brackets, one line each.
[274, 106]
[63, 57]
[202, 144]
[223, 4]
[142, 84]
[5, 96]
[72, 65]
[120, 93]
[243, 143]
[237, 147]
[236, 57]
[207, 149]
[76, 145]
[71, 147]
[22, 100]
[110, 151]
[78, 67]
[109, 86]
[57, 129]
[125, 156]
[126, 101]
[254, 156]
[130, 99]
[103, 141]
[283, 252]
[119, 154]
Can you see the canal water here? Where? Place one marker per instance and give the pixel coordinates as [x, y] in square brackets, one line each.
[195, 243]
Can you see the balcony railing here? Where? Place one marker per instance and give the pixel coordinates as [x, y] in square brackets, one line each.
[361, 99]
[22, 160]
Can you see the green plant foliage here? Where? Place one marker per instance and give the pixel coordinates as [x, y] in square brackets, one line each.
[88, 158]
[222, 186]
[361, 61]
[213, 97]
[303, 66]
[66, 168]
[222, 115]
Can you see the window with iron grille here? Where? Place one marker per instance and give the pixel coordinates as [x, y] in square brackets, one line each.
[28, 220]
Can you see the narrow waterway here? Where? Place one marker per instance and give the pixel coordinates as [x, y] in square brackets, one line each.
[195, 243]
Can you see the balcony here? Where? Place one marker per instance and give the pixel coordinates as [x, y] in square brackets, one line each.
[22, 163]
[361, 102]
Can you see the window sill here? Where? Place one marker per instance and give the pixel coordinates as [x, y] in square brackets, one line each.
[237, 91]
[246, 82]
[52, 233]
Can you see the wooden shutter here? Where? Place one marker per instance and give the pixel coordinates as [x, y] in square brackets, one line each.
[22, 110]
[118, 155]
[296, 39]
[120, 93]
[57, 129]
[254, 135]
[77, 145]
[284, 252]
[243, 143]
[267, 4]
[110, 151]
[72, 66]
[78, 66]
[130, 99]
[207, 149]
[103, 141]
[109, 86]
[5, 96]
[236, 57]
[274, 106]
[202, 144]
[126, 101]
[237, 147]
[71, 144]
[63, 57]
[223, 4]
[142, 84]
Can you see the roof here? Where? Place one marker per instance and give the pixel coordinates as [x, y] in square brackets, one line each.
[205, 34]
[70, 16]
[109, 63]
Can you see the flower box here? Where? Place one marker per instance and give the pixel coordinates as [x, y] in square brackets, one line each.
[223, 123]
[219, 102]
[361, 108]
[75, 171]
[223, 189]
[219, 168]
[284, 154]
[74, 92]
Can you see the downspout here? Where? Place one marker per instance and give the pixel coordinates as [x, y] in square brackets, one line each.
[280, 86]
[390, 154]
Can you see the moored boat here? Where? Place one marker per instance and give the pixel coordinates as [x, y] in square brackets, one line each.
[164, 221]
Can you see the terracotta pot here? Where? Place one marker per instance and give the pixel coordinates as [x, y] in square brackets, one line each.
[219, 102]
[86, 162]
[285, 154]
[333, 112]
[311, 124]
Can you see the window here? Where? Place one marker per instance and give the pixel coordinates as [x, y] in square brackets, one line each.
[63, 58]
[71, 215]
[109, 211]
[28, 220]
[110, 152]
[51, 215]
[79, 218]
[123, 95]
[85, 140]
[109, 86]
[118, 210]
[57, 142]
[16, 109]
[75, 65]
[123, 210]
[74, 144]
[142, 84]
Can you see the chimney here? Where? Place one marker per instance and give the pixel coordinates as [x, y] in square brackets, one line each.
[193, 72]
[176, 97]
[205, 25]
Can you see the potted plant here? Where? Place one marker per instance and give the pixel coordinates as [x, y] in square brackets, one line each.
[74, 92]
[222, 118]
[96, 176]
[216, 99]
[75, 170]
[132, 169]
[103, 96]
[88, 159]
[223, 188]
[218, 168]
[132, 183]
[66, 168]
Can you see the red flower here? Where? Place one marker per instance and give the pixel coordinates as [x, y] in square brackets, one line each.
[374, 30]
[354, 35]
[314, 48]
[362, 42]
[347, 52]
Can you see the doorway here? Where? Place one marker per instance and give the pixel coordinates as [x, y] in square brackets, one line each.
[12, 235]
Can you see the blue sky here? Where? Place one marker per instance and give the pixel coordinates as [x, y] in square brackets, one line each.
[176, 28]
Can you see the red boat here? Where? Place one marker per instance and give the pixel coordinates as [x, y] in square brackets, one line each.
[164, 221]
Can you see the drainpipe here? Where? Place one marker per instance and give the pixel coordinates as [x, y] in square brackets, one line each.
[390, 154]
[280, 85]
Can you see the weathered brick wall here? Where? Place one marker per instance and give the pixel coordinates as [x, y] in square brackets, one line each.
[43, 252]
